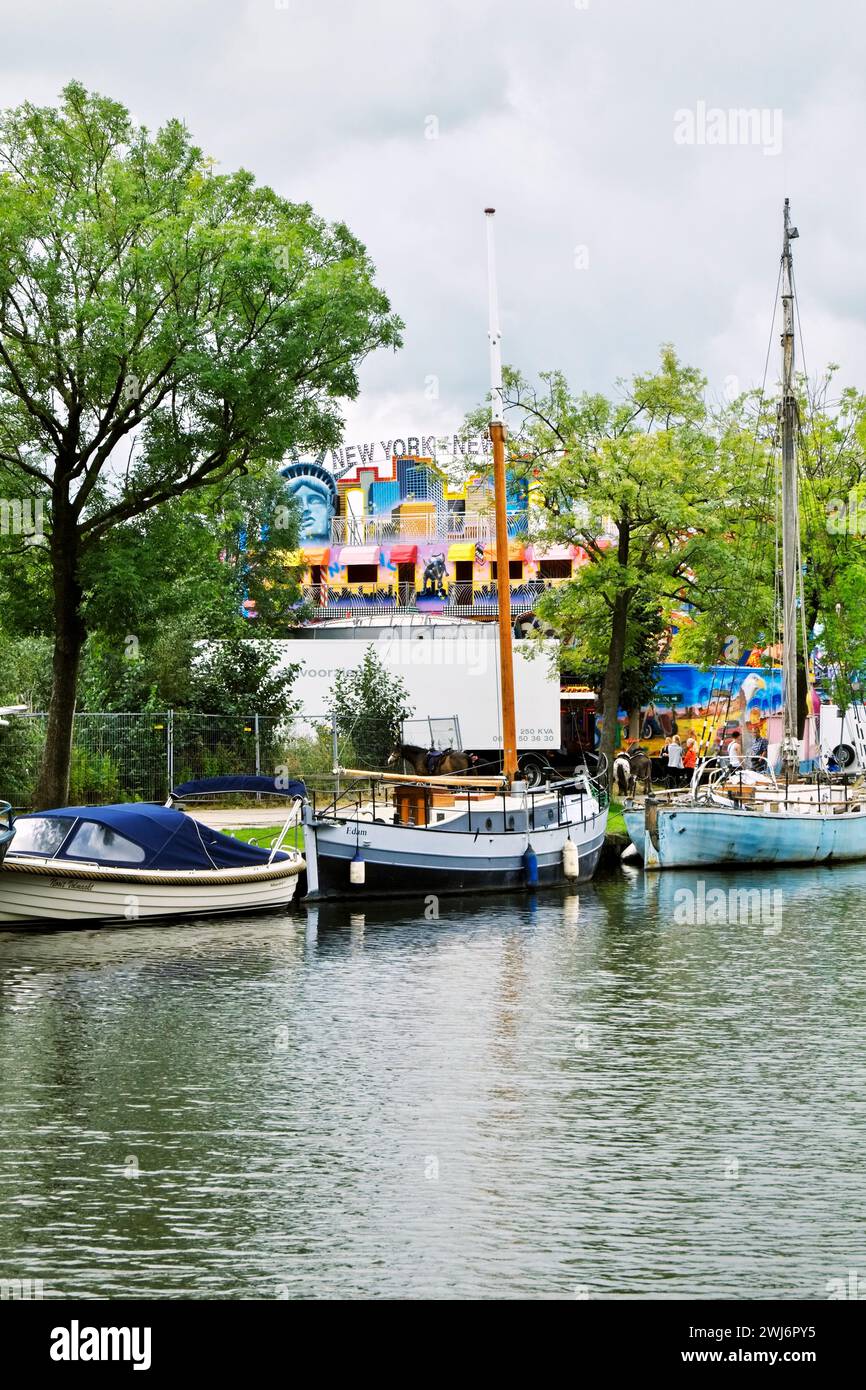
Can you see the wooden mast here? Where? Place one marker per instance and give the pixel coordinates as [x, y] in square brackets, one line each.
[503, 587]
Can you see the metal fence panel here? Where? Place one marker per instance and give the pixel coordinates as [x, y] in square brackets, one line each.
[433, 733]
[141, 756]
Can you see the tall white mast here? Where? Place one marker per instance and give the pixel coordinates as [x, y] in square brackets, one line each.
[790, 506]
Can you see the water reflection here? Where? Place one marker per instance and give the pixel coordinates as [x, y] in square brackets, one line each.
[514, 1097]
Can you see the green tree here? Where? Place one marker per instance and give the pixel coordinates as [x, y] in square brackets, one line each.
[181, 574]
[637, 484]
[738, 608]
[370, 705]
[242, 677]
[162, 328]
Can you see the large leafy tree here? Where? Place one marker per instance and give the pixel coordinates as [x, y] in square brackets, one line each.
[639, 484]
[162, 328]
[739, 608]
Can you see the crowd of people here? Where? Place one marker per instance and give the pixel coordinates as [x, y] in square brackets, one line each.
[681, 759]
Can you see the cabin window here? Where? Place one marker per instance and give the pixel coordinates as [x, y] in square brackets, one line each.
[100, 842]
[554, 569]
[41, 834]
[362, 574]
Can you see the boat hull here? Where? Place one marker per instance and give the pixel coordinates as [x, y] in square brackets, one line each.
[692, 836]
[42, 896]
[404, 861]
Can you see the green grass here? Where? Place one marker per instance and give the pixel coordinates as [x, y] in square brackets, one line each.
[264, 836]
[615, 820]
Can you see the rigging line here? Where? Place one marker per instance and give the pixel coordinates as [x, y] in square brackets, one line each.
[754, 561]
[812, 510]
[810, 685]
[763, 389]
[812, 507]
[768, 490]
[198, 829]
[810, 401]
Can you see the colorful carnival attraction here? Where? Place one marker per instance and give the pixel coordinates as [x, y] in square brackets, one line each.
[396, 534]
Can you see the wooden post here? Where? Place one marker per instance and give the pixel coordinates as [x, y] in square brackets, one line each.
[503, 592]
[503, 586]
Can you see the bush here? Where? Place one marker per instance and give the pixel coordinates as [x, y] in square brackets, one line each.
[370, 705]
[94, 779]
[20, 754]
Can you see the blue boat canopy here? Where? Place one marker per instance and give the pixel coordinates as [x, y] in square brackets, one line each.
[133, 836]
[213, 786]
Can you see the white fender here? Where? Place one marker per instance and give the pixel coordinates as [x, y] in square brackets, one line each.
[357, 870]
[570, 860]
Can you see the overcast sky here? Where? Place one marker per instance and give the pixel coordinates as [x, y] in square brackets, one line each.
[614, 233]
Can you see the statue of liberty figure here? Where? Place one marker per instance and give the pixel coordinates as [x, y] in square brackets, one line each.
[315, 491]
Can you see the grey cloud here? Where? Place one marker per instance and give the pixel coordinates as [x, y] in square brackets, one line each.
[562, 117]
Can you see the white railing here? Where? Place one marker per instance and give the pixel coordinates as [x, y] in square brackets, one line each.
[459, 526]
[373, 530]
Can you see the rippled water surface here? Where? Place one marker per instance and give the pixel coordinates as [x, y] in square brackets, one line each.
[577, 1095]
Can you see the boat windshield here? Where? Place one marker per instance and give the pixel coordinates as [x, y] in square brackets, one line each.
[104, 845]
[41, 834]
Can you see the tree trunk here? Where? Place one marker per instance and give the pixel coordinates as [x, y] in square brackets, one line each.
[610, 691]
[69, 634]
[613, 677]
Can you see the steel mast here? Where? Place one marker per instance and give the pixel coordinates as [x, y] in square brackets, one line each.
[790, 507]
[503, 587]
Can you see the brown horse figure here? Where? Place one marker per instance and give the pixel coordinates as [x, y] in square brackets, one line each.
[631, 767]
[430, 762]
[641, 766]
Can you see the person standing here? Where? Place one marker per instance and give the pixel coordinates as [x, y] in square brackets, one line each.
[675, 761]
[690, 756]
[759, 754]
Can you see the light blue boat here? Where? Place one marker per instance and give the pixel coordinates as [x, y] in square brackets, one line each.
[738, 817]
[685, 834]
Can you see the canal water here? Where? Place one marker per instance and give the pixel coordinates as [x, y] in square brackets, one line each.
[591, 1094]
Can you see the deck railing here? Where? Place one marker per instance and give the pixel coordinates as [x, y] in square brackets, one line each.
[461, 599]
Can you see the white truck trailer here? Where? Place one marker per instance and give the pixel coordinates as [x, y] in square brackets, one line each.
[451, 671]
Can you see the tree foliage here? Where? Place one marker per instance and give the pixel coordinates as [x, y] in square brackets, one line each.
[636, 483]
[370, 705]
[162, 328]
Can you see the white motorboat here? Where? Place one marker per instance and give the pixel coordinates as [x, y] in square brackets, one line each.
[7, 829]
[87, 865]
